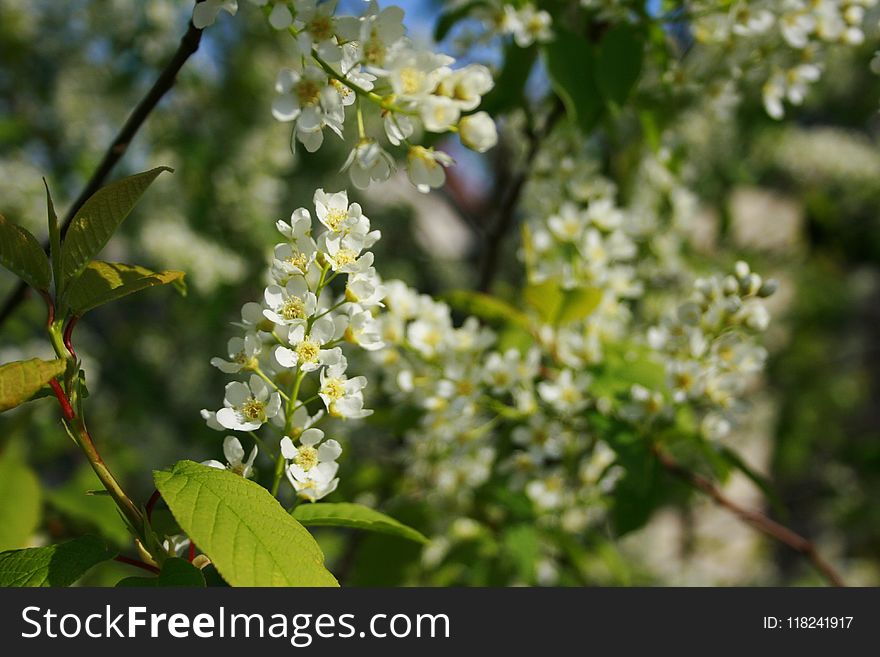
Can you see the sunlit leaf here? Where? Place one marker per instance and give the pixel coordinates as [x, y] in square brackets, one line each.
[247, 535]
[577, 304]
[556, 305]
[356, 516]
[21, 253]
[21, 380]
[486, 307]
[97, 220]
[103, 282]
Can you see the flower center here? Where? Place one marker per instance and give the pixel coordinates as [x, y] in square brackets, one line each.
[321, 28]
[308, 92]
[333, 388]
[335, 218]
[293, 308]
[344, 91]
[345, 257]
[246, 362]
[410, 79]
[307, 351]
[306, 457]
[374, 51]
[253, 410]
[298, 261]
[684, 380]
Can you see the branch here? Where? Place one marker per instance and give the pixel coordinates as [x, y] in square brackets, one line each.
[754, 518]
[136, 563]
[189, 43]
[507, 209]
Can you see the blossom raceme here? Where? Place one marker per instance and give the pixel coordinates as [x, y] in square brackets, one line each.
[322, 302]
[366, 62]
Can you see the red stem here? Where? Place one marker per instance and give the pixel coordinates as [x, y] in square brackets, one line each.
[50, 318]
[192, 550]
[151, 504]
[66, 408]
[136, 563]
[68, 332]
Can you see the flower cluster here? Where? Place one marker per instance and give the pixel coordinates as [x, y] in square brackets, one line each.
[790, 36]
[367, 62]
[709, 348]
[324, 294]
[525, 22]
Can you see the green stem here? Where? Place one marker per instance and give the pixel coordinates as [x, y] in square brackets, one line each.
[262, 444]
[265, 378]
[372, 96]
[330, 310]
[279, 472]
[123, 501]
[288, 424]
[76, 428]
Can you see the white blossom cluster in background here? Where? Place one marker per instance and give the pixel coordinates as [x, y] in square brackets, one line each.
[519, 413]
[524, 21]
[785, 41]
[366, 62]
[289, 355]
[521, 23]
[709, 349]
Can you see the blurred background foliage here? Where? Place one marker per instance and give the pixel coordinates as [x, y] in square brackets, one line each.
[798, 198]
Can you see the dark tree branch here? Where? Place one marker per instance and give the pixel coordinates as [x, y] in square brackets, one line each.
[506, 213]
[189, 44]
[756, 519]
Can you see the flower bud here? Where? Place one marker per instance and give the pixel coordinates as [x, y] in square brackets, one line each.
[768, 288]
[478, 132]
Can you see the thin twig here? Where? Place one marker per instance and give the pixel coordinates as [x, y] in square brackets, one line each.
[507, 208]
[751, 517]
[137, 564]
[189, 43]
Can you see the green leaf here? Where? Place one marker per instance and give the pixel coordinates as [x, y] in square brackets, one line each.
[618, 62]
[486, 307]
[578, 303]
[545, 298]
[510, 83]
[55, 565]
[22, 379]
[98, 219]
[21, 253]
[448, 19]
[54, 237]
[103, 282]
[175, 572]
[556, 305]
[247, 535]
[626, 364]
[569, 60]
[522, 549]
[19, 499]
[74, 501]
[357, 516]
